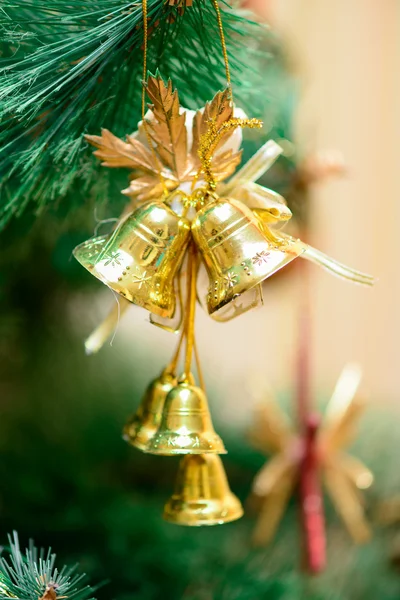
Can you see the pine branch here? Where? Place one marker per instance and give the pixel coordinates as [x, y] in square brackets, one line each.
[68, 68]
[33, 576]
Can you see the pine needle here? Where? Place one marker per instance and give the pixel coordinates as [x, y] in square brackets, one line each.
[69, 68]
[33, 575]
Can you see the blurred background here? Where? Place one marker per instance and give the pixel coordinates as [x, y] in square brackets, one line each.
[68, 479]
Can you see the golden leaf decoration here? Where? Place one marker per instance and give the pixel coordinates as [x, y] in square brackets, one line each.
[168, 128]
[225, 163]
[219, 110]
[114, 152]
[147, 187]
[165, 129]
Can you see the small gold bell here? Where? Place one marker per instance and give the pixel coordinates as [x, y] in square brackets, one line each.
[237, 253]
[88, 252]
[186, 426]
[142, 426]
[141, 257]
[202, 495]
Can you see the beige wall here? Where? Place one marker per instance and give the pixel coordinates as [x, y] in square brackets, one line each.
[350, 54]
[350, 58]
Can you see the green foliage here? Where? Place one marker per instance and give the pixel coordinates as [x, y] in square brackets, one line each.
[67, 68]
[27, 576]
[70, 481]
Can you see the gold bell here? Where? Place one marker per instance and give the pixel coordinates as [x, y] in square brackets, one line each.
[237, 253]
[142, 256]
[87, 252]
[202, 495]
[186, 426]
[142, 426]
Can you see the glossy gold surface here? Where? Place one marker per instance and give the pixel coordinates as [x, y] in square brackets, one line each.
[87, 252]
[186, 426]
[143, 424]
[237, 254]
[142, 257]
[202, 495]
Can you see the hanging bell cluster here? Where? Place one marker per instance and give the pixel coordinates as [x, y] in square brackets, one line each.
[142, 258]
[219, 238]
[232, 223]
[142, 261]
[174, 419]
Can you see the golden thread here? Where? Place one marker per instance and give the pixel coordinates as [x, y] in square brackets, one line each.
[191, 311]
[148, 136]
[174, 362]
[145, 34]
[199, 369]
[223, 44]
[172, 367]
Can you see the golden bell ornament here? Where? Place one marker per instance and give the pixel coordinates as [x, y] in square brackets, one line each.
[143, 425]
[142, 256]
[238, 255]
[186, 426]
[87, 252]
[202, 495]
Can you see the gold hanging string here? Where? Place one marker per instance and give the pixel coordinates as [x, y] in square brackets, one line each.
[191, 281]
[191, 307]
[145, 34]
[199, 369]
[174, 362]
[172, 367]
[223, 44]
[148, 136]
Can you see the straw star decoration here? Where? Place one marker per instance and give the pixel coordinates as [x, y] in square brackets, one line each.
[310, 459]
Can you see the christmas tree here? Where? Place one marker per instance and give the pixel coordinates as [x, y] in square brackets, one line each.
[71, 77]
